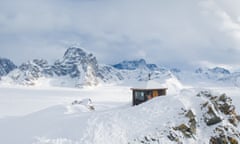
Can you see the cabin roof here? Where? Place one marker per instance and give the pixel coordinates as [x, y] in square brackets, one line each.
[150, 85]
[148, 89]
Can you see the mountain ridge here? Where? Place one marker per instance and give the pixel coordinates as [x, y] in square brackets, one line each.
[78, 68]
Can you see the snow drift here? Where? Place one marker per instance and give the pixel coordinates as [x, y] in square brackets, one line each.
[193, 116]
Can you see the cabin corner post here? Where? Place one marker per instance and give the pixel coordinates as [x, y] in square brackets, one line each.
[133, 97]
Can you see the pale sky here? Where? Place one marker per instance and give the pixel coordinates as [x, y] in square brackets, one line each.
[170, 33]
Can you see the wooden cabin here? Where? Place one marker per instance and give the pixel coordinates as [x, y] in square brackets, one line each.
[140, 95]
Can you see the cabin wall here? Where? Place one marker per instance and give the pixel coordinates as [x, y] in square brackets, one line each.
[153, 93]
[162, 92]
[140, 96]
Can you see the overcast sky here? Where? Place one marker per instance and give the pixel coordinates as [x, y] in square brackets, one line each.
[171, 33]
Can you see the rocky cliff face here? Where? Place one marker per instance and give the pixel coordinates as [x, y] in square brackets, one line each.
[78, 64]
[27, 73]
[108, 74]
[6, 66]
[135, 64]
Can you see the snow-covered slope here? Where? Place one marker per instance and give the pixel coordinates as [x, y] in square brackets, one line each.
[191, 116]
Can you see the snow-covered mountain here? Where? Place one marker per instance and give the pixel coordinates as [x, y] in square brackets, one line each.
[212, 73]
[27, 73]
[77, 64]
[207, 76]
[135, 64]
[79, 68]
[140, 70]
[6, 66]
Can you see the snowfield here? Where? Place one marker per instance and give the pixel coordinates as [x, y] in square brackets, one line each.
[20, 100]
[29, 112]
[32, 115]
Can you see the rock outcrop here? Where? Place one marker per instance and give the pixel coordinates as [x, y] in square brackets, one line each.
[6, 66]
[135, 64]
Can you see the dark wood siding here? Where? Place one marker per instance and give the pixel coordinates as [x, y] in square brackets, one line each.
[161, 92]
[141, 95]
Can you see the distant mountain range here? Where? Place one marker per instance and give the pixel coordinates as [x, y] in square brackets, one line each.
[79, 68]
[135, 64]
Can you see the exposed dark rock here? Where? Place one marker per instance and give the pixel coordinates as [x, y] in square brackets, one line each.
[204, 93]
[186, 131]
[210, 117]
[214, 120]
[218, 105]
[6, 66]
[192, 121]
[135, 64]
[173, 137]
[224, 135]
[189, 129]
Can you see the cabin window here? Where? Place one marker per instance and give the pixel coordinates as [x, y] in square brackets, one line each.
[139, 95]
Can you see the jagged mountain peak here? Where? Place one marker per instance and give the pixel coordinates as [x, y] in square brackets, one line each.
[41, 62]
[134, 64]
[79, 65]
[137, 61]
[35, 62]
[6, 66]
[76, 65]
[220, 70]
[216, 70]
[75, 52]
[78, 56]
[175, 70]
